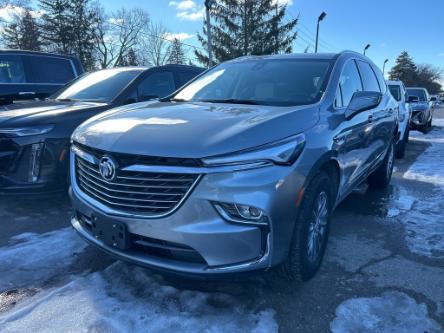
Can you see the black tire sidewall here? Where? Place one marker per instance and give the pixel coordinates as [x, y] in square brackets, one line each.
[300, 263]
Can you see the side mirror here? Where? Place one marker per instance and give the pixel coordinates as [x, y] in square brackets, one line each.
[413, 99]
[433, 99]
[362, 101]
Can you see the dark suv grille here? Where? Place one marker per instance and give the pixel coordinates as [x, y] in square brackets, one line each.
[142, 193]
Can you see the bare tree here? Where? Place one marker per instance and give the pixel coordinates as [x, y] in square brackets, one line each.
[155, 47]
[117, 34]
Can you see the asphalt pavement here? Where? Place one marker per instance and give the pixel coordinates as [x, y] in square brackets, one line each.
[383, 270]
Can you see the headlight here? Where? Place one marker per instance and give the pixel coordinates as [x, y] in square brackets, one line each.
[26, 131]
[283, 152]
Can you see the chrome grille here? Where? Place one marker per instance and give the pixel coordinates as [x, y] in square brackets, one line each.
[141, 193]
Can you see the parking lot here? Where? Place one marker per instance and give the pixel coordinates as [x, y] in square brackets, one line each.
[383, 271]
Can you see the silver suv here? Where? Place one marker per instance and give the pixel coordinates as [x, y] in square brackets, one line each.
[238, 171]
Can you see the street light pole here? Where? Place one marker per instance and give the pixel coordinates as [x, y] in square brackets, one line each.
[366, 48]
[208, 4]
[383, 67]
[320, 18]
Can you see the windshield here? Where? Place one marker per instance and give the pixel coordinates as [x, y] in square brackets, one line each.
[421, 94]
[276, 82]
[395, 91]
[101, 86]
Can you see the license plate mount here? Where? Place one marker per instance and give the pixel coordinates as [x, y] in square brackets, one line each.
[112, 233]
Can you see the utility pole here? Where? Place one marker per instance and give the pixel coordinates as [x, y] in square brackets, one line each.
[208, 4]
[383, 67]
[320, 18]
[366, 48]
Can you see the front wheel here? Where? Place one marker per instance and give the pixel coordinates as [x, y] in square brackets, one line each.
[311, 230]
[400, 149]
[380, 178]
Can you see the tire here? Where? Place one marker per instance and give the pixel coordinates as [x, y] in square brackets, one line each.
[380, 178]
[400, 150]
[305, 257]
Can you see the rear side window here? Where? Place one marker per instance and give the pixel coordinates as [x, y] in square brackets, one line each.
[395, 90]
[349, 83]
[185, 77]
[156, 85]
[50, 69]
[11, 69]
[381, 80]
[368, 77]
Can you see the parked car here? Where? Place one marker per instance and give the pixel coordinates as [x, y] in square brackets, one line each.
[422, 108]
[399, 93]
[34, 137]
[238, 171]
[435, 100]
[28, 75]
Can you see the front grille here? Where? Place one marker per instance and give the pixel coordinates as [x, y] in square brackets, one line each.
[141, 193]
[128, 159]
[8, 154]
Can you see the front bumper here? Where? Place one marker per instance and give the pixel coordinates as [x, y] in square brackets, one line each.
[222, 246]
[419, 119]
[33, 164]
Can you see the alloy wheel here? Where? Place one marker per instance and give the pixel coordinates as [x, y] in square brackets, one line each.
[318, 226]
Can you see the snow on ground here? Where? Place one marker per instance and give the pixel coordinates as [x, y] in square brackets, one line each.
[31, 259]
[422, 216]
[390, 312]
[125, 298]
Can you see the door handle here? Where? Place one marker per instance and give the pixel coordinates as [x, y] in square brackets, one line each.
[22, 93]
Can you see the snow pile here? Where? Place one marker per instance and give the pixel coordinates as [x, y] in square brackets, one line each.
[390, 312]
[422, 216]
[34, 258]
[124, 298]
[429, 166]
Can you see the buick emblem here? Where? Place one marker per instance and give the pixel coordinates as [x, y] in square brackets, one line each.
[107, 168]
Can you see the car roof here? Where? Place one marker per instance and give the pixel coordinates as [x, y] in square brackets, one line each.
[26, 52]
[395, 82]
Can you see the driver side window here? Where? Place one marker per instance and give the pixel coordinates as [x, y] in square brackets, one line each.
[349, 83]
[156, 85]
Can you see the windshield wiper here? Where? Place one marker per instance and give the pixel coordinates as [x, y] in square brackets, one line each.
[231, 101]
[66, 100]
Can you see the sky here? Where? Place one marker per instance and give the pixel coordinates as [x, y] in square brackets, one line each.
[390, 26]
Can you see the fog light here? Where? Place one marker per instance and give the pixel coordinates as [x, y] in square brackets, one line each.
[34, 163]
[241, 213]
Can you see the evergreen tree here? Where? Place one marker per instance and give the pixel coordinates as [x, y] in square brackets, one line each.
[130, 59]
[404, 70]
[248, 27]
[23, 33]
[82, 17]
[56, 29]
[176, 53]
[68, 28]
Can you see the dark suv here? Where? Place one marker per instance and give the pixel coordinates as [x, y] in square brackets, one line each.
[240, 170]
[34, 136]
[28, 75]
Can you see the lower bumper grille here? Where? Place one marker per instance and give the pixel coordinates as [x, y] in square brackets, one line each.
[141, 193]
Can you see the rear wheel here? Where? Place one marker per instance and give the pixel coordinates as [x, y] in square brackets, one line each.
[380, 178]
[311, 230]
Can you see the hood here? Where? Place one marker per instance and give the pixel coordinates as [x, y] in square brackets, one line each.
[419, 106]
[193, 130]
[31, 113]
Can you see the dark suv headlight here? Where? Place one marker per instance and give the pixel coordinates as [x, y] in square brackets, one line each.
[25, 131]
